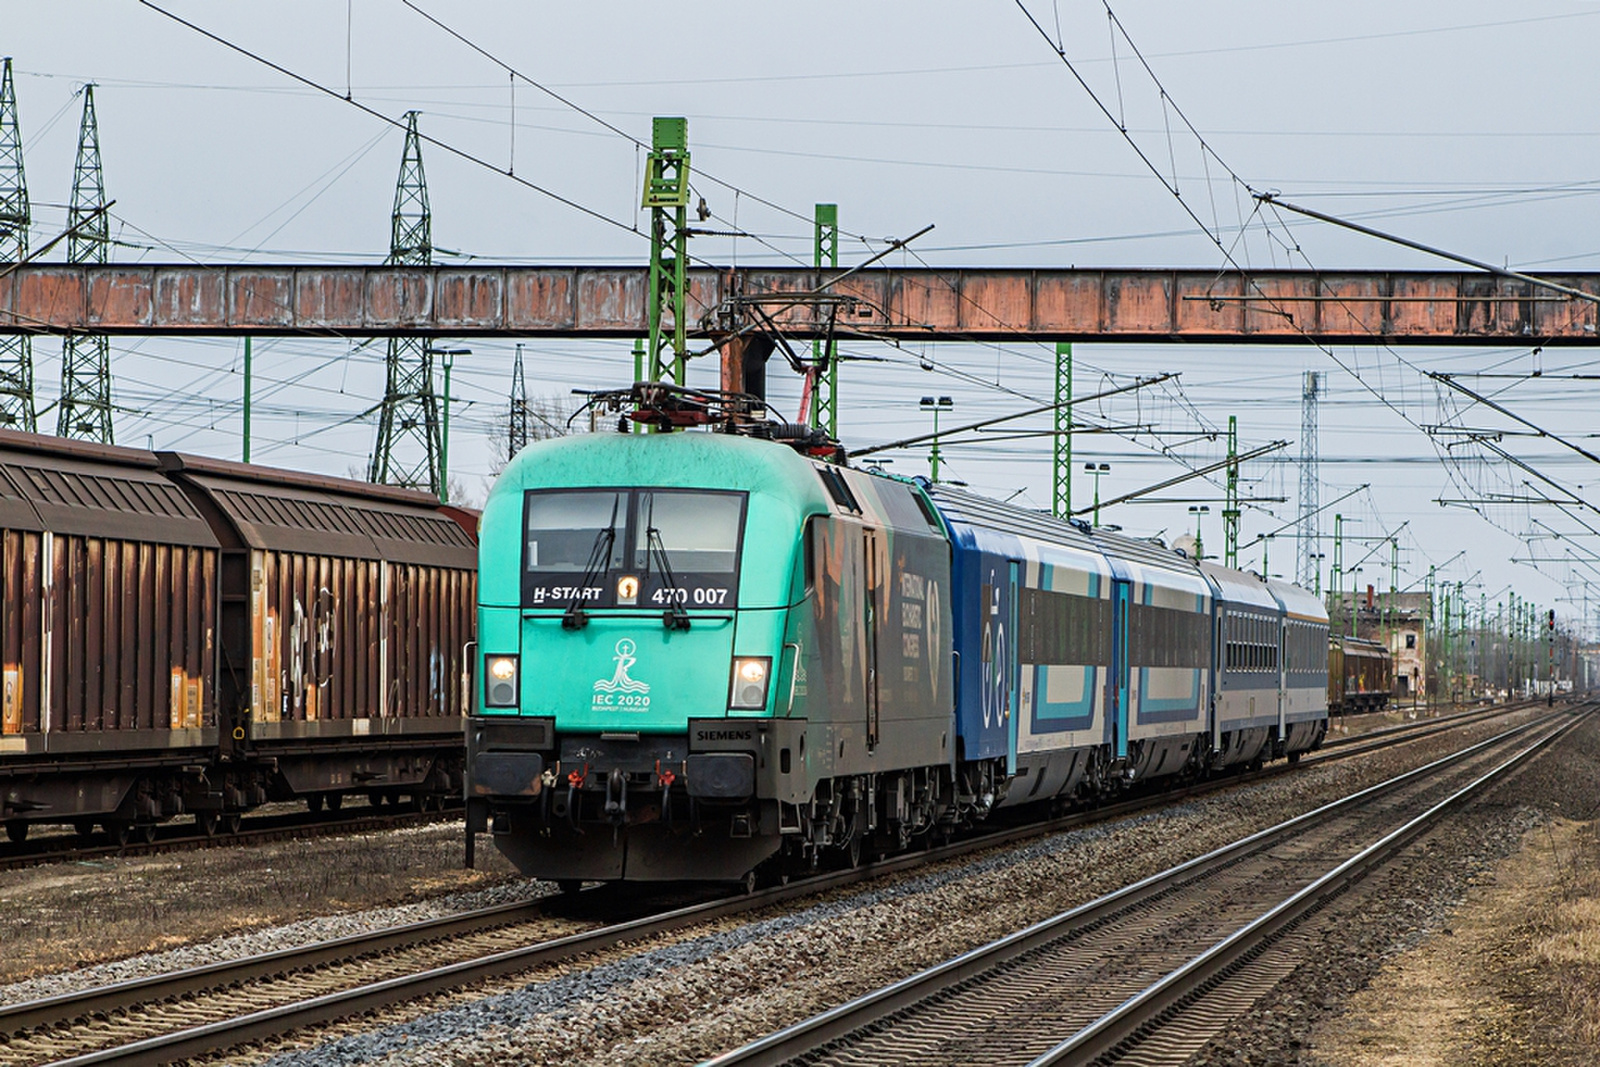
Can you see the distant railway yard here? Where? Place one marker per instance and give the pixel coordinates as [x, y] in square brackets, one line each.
[616, 974]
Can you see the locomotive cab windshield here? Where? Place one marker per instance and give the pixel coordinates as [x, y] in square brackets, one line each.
[657, 548]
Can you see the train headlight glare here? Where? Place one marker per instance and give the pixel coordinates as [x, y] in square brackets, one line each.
[628, 589]
[750, 677]
[501, 690]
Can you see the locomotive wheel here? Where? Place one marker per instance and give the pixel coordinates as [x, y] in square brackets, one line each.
[16, 831]
[852, 852]
[747, 885]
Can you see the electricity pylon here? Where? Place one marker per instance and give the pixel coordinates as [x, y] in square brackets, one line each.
[406, 452]
[16, 215]
[517, 435]
[84, 411]
[1310, 539]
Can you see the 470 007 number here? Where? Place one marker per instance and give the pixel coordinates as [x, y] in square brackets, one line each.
[687, 596]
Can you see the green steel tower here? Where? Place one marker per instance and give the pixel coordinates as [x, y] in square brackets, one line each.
[825, 395]
[406, 452]
[1061, 484]
[666, 194]
[85, 408]
[1230, 509]
[16, 353]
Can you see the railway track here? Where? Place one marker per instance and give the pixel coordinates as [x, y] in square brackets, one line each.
[1139, 991]
[256, 829]
[222, 1005]
[269, 828]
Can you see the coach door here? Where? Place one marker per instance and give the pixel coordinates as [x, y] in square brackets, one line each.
[1013, 668]
[1120, 656]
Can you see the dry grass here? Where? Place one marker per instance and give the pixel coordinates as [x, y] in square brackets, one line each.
[1567, 955]
[1516, 979]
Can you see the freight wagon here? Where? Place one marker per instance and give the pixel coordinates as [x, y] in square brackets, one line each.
[186, 635]
[1360, 675]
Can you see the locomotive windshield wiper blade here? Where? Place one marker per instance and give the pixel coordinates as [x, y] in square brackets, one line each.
[575, 618]
[674, 618]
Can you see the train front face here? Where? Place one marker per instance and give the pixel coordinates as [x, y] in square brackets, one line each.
[634, 594]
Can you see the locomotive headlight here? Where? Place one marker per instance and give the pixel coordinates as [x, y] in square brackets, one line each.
[628, 589]
[500, 690]
[750, 677]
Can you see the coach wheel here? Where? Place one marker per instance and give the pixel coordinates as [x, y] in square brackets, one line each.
[17, 831]
[206, 822]
[335, 801]
[314, 803]
[230, 822]
[120, 831]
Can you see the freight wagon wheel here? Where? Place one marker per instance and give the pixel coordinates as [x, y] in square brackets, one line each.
[206, 822]
[83, 827]
[17, 831]
[120, 831]
[147, 832]
[314, 803]
[335, 801]
[230, 822]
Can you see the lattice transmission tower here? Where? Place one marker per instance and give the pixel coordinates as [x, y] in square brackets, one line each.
[517, 426]
[1309, 574]
[407, 449]
[84, 411]
[16, 215]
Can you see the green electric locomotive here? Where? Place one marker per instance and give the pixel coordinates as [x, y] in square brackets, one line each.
[698, 650]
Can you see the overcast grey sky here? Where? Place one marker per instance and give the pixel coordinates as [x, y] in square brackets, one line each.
[1462, 124]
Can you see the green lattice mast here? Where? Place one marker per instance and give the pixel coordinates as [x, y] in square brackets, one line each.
[16, 353]
[406, 452]
[666, 195]
[84, 411]
[825, 396]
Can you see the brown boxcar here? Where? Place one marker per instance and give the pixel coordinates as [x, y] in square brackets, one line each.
[107, 635]
[346, 608]
[1360, 675]
[182, 634]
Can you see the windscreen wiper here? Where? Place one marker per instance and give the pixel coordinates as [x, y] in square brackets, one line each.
[674, 617]
[575, 618]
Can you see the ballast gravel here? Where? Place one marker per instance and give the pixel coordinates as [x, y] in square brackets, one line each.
[681, 997]
[269, 939]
